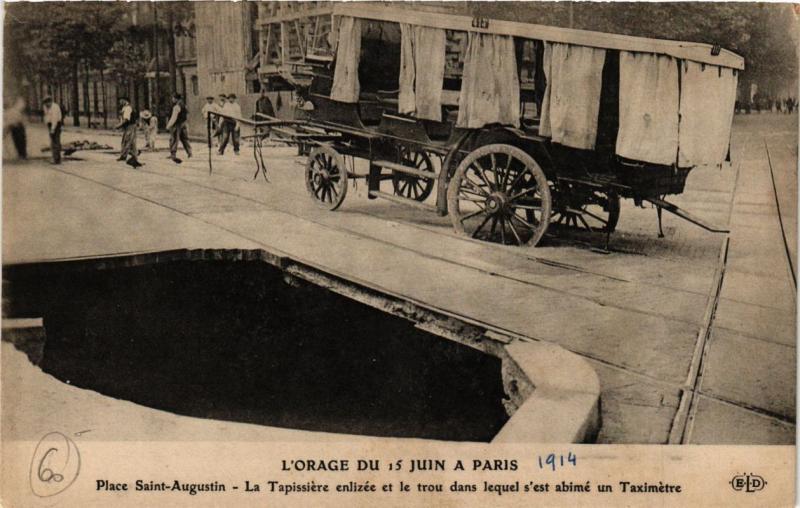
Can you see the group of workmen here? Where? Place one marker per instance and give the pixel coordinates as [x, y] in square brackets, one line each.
[222, 117]
[129, 120]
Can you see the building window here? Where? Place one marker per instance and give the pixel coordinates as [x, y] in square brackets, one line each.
[195, 86]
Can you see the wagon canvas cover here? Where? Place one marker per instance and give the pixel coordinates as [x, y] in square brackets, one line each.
[676, 98]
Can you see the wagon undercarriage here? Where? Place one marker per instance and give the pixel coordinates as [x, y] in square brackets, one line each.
[506, 192]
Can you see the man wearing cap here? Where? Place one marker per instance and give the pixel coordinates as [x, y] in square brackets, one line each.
[150, 127]
[230, 126]
[54, 122]
[127, 122]
[177, 128]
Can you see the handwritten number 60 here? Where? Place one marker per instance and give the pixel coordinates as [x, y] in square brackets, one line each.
[55, 465]
[45, 473]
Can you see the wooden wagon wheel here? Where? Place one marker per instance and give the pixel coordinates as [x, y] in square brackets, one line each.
[326, 177]
[598, 211]
[409, 186]
[500, 194]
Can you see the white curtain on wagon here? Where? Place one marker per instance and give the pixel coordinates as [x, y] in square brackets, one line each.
[648, 108]
[422, 60]
[490, 84]
[708, 96]
[572, 97]
[345, 86]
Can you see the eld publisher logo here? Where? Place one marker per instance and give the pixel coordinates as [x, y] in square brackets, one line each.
[747, 483]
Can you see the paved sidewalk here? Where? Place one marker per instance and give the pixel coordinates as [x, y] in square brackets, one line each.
[634, 313]
[748, 382]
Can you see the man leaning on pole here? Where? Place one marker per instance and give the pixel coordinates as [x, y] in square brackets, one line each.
[208, 108]
[230, 124]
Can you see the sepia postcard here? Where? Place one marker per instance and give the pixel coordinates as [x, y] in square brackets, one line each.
[463, 253]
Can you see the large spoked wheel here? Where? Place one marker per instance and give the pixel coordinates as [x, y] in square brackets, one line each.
[410, 186]
[592, 211]
[500, 194]
[326, 177]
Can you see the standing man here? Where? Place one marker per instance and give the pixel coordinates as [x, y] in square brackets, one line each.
[150, 126]
[177, 129]
[230, 126]
[220, 106]
[127, 122]
[264, 107]
[208, 108]
[54, 122]
[14, 122]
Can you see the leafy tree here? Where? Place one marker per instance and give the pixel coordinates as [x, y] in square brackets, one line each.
[104, 22]
[128, 57]
[72, 36]
[30, 55]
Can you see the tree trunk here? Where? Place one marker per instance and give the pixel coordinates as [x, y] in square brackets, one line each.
[76, 121]
[86, 106]
[173, 64]
[36, 97]
[156, 98]
[135, 96]
[105, 98]
[95, 100]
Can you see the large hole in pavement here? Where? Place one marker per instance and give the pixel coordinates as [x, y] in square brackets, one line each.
[234, 341]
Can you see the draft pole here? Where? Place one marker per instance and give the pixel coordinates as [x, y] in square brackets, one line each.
[208, 132]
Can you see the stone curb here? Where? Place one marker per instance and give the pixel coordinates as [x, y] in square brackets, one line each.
[565, 404]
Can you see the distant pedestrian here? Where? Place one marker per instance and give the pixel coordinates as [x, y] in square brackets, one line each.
[54, 122]
[129, 117]
[177, 129]
[230, 124]
[149, 123]
[14, 120]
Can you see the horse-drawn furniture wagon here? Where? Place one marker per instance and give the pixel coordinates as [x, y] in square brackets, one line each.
[515, 126]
